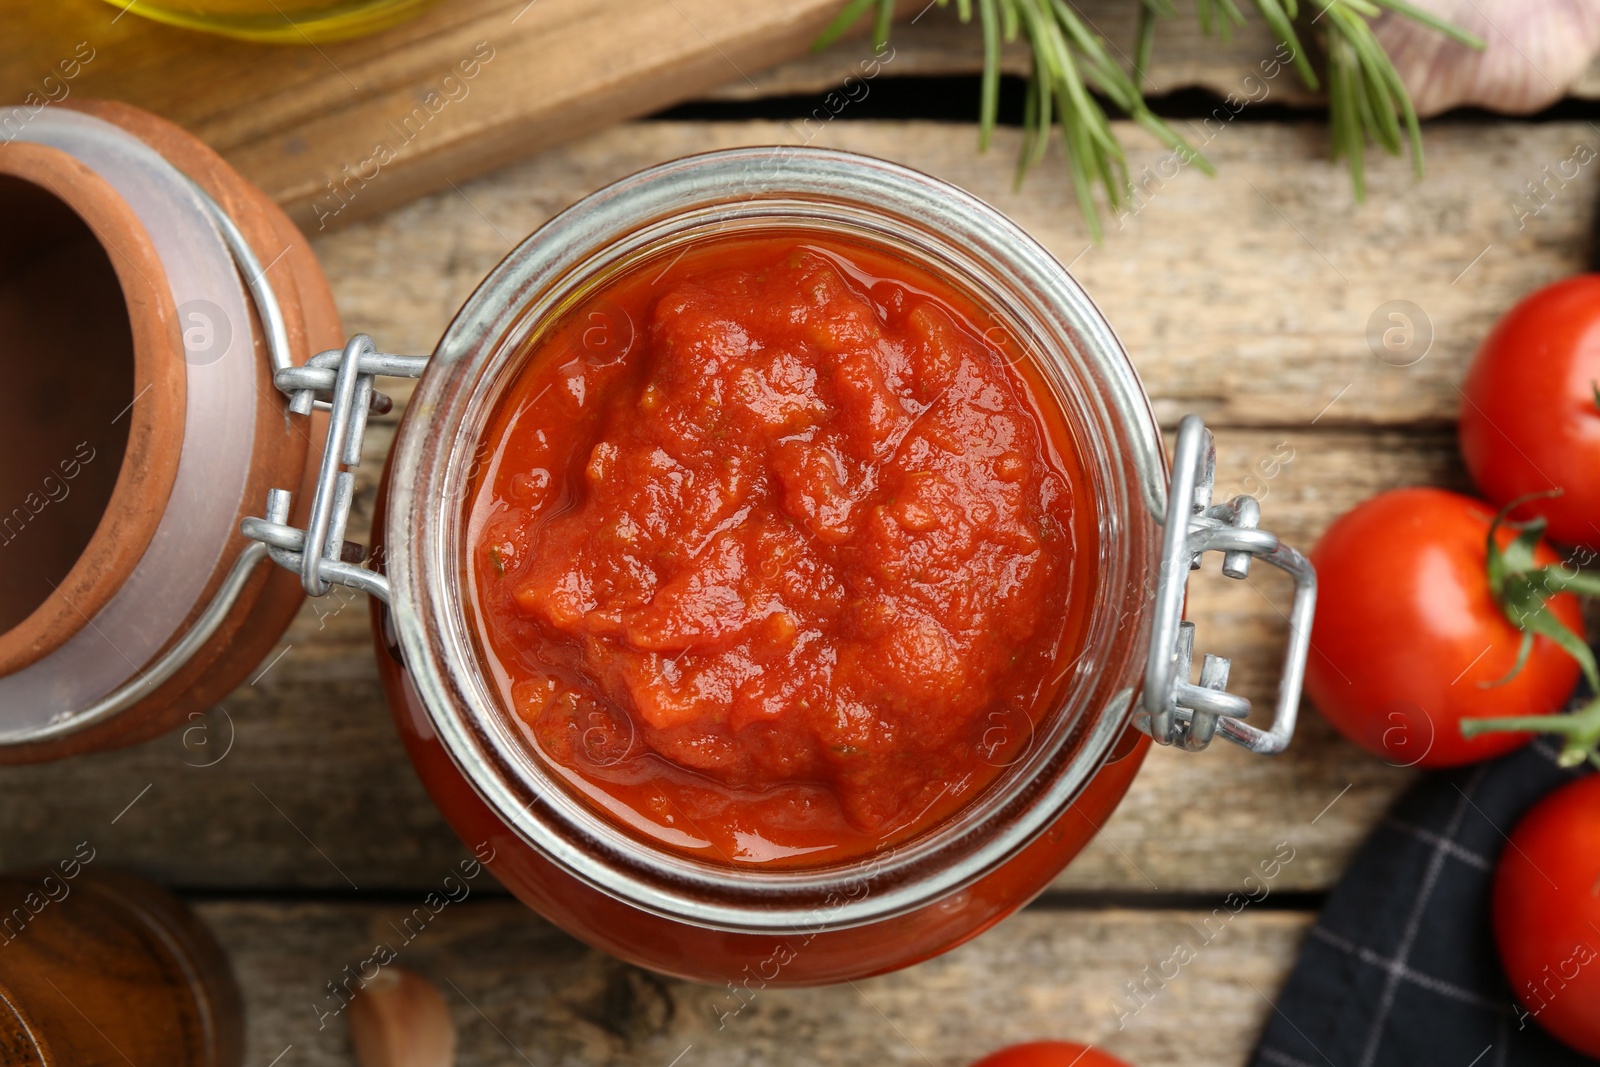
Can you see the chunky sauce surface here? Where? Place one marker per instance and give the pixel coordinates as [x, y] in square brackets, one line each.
[776, 554]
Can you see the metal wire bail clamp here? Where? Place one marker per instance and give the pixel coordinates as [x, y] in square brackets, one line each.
[340, 381]
[1173, 709]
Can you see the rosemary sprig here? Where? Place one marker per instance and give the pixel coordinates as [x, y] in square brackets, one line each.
[1366, 99]
[1367, 102]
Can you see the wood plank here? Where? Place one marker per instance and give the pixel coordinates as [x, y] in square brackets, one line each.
[296, 119]
[1247, 297]
[519, 991]
[937, 44]
[466, 86]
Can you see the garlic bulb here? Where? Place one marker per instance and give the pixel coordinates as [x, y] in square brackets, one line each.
[1534, 50]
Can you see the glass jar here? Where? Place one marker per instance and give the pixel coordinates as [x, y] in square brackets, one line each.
[753, 927]
[188, 613]
[279, 21]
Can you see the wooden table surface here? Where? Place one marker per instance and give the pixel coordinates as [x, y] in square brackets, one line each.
[290, 816]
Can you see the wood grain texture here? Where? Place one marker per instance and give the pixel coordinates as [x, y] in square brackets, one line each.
[1247, 297]
[344, 130]
[520, 991]
[1226, 309]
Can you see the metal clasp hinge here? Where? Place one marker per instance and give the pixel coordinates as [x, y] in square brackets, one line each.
[1173, 709]
[342, 383]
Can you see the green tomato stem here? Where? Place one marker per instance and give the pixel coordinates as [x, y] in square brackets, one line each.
[1580, 727]
[1582, 582]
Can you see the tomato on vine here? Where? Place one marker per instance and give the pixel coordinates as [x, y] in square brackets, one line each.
[1547, 914]
[1436, 623]
[1529, 416]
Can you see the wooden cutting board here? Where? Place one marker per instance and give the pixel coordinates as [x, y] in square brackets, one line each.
[339, 131]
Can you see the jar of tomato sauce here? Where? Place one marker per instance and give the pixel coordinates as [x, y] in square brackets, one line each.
[780, 568]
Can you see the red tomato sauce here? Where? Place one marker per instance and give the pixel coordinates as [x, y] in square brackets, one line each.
[776, 554]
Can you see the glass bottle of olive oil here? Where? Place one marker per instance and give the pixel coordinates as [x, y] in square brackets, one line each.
[279, 21]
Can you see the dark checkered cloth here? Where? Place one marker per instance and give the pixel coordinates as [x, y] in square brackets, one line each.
[1400, 969]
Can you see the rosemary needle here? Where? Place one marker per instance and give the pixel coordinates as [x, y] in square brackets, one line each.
[1072, 70]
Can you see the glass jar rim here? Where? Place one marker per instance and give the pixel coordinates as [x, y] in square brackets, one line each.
[546, 276]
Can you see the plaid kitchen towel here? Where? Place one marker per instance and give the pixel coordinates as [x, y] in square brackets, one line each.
[1400, 969]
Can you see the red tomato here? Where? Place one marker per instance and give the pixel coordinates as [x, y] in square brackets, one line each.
[1547, 913]
[1050, 1054]
[1528, 417]
[1407, 633]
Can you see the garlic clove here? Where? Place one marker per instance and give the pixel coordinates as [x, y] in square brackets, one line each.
[1533, 50]
[399, 1019]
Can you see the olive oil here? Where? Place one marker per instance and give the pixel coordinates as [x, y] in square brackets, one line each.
[279, 21]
